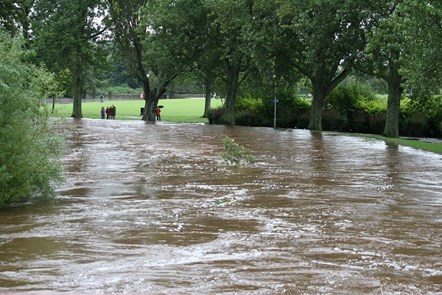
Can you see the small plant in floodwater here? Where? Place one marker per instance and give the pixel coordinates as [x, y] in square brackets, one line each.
[223, 201]
[236, 154]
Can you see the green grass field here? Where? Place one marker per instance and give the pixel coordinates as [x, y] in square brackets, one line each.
[187, 110]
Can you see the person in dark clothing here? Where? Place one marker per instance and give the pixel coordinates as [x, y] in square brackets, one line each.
[114, 111]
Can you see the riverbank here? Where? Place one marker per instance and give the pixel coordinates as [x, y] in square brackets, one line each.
[426, 144]
[190, 110]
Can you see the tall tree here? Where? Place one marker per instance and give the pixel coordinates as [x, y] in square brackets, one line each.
[159, 39]
[174, 41]
[65, 32]
[208, 66]
[382, 58]
[128, 34]
[271, 73]
[231, 23]
[320, 39]
[182, 39]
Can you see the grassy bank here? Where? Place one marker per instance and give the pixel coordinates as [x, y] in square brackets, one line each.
[430, 146]
[175, 110]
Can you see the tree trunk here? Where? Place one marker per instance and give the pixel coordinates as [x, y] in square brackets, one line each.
[78, 86]
[148, 115]
[393, 105]
[207, 98]
[231, 89]
[319, 94]
[153, 98]
[207, 103]
[148, 102]
[151, 105]
[323, 84]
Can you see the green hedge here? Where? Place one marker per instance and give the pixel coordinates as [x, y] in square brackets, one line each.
[351, 107]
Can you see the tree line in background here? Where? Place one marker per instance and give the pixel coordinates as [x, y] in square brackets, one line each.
[254, 49]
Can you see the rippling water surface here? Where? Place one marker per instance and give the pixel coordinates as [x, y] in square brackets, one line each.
[152, 209]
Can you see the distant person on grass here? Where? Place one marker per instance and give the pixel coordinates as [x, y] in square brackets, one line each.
[157, 114]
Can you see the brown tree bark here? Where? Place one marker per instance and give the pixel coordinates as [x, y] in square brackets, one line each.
[323, 84]
[232, 84]
[77, 112]
[393, 105]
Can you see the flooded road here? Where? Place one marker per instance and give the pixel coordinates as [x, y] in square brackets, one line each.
[152, 209]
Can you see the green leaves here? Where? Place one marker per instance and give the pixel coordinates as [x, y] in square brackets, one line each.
[423, 32]
[236, 154]
[28, 154]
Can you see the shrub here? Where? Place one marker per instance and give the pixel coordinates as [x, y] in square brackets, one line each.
[28, 162]
[422, 117]
[372, 106]
[358, 105]
[215, 115]
[302, 120]
[376, 123]
[333, 120]
[351, 108]
[251, 118]
[260, 112]
[346, 97]
[416, 126]
[292, 111]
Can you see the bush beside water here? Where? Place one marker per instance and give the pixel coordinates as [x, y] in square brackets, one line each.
[29, 165]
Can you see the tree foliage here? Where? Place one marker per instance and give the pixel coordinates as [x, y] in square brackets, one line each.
[65, 34]
[28, 162]
[321, 39]
[231, 24]
[128, 31]
[270, 44]
[174, 42]
[14, 16]
[382, 58]
[422, 28]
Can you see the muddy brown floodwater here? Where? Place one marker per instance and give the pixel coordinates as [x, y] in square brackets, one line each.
[152, 209]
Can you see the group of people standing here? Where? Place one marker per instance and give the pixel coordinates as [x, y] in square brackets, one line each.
[108, 113]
